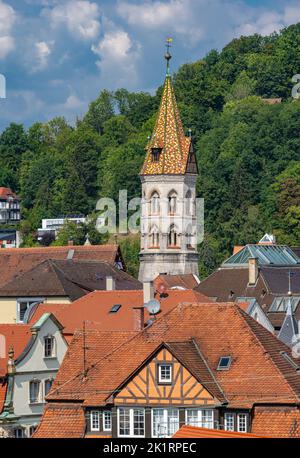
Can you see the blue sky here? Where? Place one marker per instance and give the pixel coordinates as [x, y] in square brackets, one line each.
[57, 55]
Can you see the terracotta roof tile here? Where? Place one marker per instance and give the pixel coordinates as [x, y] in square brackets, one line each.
[7, 192]
[15, 261]
[96, 306]
[67, 278]
[257, 373]
[191, 432]
[61, 421]
[12, 335]
[277, 422]
[187, 281]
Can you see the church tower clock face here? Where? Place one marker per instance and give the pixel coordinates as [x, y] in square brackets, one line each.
[168, 176]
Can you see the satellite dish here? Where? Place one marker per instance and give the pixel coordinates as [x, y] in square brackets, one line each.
[153, 307]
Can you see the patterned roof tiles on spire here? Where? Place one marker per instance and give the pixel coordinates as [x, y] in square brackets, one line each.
[168, 135]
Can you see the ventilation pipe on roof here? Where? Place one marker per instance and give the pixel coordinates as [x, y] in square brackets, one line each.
[148, 288]
[253, 271]
[110, 283]
[138, 318]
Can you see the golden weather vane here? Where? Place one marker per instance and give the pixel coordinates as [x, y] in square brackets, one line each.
[168, 56]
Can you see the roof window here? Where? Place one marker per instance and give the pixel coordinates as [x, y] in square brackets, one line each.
[115, 308]
[224, 363]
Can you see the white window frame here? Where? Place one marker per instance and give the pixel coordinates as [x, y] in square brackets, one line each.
[53, 354]
[230, 415]
[131, 421]
[238, 417]
[93, 412]
[107, 412]
[39, 397]
[165, 420]
[200, 417]
[160, 379]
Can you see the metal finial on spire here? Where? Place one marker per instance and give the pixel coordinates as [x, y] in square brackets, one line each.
[168, 56]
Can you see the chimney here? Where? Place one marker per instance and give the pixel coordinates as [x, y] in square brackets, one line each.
[138, 318]
[148, 288]
[70, 243]
[110, 283]
[253, 271]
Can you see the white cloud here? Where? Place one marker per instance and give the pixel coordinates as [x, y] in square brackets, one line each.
[7, 19]
[216, 21]
[174, 15]
[42, 51]
[81, 18]
[118, 56]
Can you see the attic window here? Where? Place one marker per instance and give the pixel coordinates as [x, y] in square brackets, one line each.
[155, 154]
[115, 308]
[224, 363]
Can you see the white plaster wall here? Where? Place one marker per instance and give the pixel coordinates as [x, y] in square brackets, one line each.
[34, 365]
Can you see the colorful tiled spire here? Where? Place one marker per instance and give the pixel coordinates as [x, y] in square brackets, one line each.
[168, 137]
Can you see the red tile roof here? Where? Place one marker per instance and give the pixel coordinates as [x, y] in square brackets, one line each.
[12, 335]
[15, 261]
[176, 281]
[95, 307]
[7, 192]
[61, 421]
[193, 432]
[277, 422]
[258, 372]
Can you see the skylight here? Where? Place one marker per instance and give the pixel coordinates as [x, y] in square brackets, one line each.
[115, 308]
[280, 303]
[224, 363]
[266, 254]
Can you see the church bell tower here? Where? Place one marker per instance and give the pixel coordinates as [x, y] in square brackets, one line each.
[168, 176]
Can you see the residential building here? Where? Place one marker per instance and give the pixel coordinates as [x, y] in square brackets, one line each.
[268, 273]
[57, 282]
[9, 206]
[208, 365]
[30, 359]
[168, 210]
[9, 238]
[18, 261]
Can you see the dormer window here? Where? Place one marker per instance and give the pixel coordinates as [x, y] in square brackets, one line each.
[155, 154]
[165, 373]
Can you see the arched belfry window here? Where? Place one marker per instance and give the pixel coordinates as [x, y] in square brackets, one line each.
[173, 237]
[189, 237]
[155, 154]
[154, 204]
[189, 203]
[154, 238]
[172, 199]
